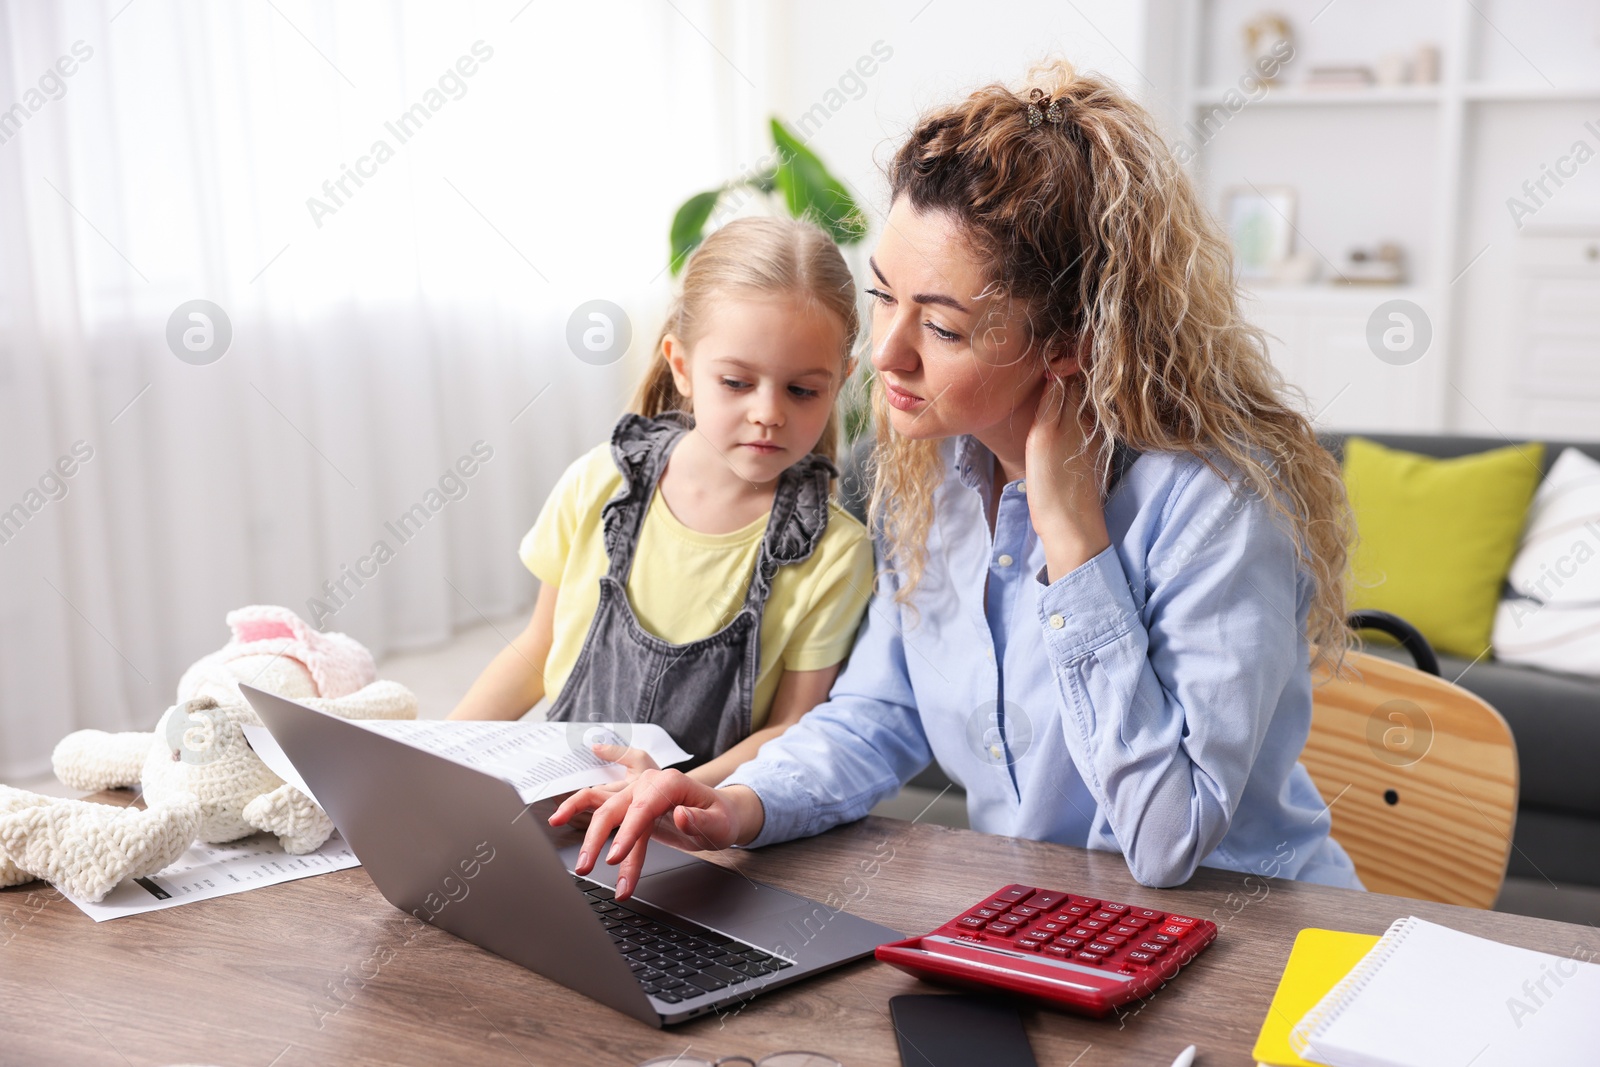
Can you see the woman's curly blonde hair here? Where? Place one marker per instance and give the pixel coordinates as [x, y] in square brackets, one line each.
[1090, 224]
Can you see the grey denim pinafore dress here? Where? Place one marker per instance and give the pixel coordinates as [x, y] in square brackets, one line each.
[700, 692]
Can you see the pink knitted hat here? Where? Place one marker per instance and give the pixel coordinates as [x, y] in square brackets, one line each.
[339, 665]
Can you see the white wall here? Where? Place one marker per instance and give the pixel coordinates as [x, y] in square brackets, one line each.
[939, 50]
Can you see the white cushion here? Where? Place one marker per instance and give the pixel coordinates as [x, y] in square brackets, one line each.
[1550, 614]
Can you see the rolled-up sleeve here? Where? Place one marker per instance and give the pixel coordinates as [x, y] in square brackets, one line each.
[851, 751]
[1165, 704]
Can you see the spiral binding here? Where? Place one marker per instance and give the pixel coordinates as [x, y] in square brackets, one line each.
[1340, 996]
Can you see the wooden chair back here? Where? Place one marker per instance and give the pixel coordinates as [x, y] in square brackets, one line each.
[1420, 778]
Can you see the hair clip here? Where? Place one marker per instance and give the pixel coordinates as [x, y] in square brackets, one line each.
[1051, 113]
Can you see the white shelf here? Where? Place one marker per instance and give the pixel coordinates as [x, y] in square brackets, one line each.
[1491, 92]
[1338, 295]
[1299, 96]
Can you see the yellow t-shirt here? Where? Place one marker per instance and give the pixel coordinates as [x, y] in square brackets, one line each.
[686, 585]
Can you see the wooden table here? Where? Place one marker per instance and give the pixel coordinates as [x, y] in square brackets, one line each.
[324, 971]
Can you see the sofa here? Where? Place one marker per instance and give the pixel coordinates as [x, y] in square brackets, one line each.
[1554, 718]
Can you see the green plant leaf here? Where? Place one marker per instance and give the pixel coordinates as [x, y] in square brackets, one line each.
[766, 181]
[810, 191]
[689, 226]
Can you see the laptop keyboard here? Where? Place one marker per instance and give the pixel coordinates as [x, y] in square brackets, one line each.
[671, 963]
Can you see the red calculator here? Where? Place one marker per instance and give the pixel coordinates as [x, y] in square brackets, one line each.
[1080, 953]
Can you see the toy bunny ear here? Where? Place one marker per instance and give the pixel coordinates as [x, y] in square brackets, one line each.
[339, 664]
[265, 622]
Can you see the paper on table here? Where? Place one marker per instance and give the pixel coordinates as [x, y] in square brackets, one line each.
[540, 759]
[207, 871]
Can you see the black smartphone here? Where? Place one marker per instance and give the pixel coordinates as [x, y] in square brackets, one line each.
[941, 1030]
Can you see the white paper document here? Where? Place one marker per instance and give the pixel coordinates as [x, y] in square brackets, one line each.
[207, 871]
[540, 759]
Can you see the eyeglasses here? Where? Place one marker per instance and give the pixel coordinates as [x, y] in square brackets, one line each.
[776, 1059]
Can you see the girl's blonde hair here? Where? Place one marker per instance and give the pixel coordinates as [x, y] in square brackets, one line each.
[755, 256]
[1092, 227]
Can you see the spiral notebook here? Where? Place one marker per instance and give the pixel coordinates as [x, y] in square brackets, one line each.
[1427, 995]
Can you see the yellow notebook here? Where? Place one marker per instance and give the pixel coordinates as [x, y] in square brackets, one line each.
[1319, 959]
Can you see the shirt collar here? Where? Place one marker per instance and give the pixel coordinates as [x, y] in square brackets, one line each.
[972, 463]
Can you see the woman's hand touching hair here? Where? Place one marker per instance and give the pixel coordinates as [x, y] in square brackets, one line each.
[1064, 482]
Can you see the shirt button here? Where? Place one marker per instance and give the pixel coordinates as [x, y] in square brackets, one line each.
[1005, 561]
[1057, 622]
[1022, 487]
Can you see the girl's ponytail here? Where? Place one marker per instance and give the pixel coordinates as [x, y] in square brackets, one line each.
[657, 392]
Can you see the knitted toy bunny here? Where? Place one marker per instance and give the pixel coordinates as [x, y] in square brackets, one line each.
[199, 777]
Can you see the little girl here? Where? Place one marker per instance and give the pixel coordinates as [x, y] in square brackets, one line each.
[696, 572]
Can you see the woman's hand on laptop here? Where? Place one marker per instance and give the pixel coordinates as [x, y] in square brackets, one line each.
[665, 804]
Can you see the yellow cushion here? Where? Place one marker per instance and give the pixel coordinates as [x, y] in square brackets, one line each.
[1437, 536]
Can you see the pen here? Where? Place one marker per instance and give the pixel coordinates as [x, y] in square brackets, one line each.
[1185, 1058]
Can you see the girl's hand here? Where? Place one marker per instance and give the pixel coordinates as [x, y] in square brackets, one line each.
[666, 804]
[1064, 488]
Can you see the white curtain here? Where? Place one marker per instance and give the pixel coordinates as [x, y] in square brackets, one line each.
[387, 335]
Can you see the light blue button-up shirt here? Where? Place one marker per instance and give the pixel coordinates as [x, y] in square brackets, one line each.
[1152, 702]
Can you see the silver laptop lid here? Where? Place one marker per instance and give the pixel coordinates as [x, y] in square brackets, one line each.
[433, 833]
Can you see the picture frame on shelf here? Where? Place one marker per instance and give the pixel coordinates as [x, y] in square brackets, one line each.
[1260, 222]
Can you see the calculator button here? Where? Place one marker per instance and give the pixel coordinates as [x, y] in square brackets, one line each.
[1052, 927]
[1106, 916]
[986, 913]
[1124, 930]
[1059, 951]
[1045, 900]
[1002, 928]
[1089, 957]
[1111, 939]
[1079, 909]
[1100, 924]
[1135, 921]
[1163, 939]
[1030, 943]
[1152, 948]
[1089, 902]
[1102, 949]
[1180, 920]
[1013, 918]
[1026, 911]
[1144, 913]
[1172, 930]
[1014, 894]
[1142, 957]
[1115, 909]
[1070, 941]
[1082, 931]
[971, 922]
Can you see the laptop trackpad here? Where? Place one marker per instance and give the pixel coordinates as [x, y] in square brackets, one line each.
[714, 896]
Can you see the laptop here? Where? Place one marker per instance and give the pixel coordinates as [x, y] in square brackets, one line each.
[458, 848]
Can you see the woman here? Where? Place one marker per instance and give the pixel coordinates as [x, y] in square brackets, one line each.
[1111, 550]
